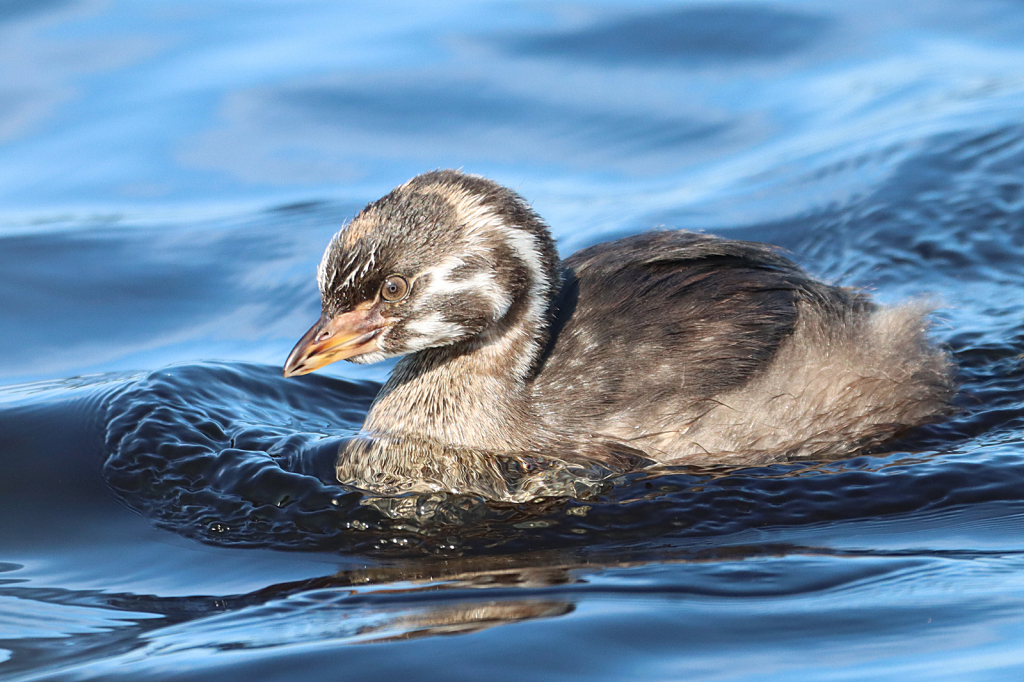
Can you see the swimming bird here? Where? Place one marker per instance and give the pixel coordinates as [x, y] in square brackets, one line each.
[686, 347]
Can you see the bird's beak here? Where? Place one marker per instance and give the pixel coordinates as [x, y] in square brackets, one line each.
[335, 338]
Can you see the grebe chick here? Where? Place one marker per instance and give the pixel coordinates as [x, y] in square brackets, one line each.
[690, 348]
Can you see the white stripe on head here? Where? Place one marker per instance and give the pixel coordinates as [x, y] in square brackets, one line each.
[325, 274]
[525, 246]
[482, 283]
[359, 272]
[482, 220]
[431, 330]
[485, 226]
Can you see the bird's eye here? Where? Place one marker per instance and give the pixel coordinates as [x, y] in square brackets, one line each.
[395, 288]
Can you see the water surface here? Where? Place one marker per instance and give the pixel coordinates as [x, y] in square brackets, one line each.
[169, 176]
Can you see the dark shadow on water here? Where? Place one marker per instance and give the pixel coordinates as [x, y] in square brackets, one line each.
[689, 36]
[14, 10]
[426, 108]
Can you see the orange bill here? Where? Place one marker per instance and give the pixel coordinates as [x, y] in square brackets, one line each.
[335, 338]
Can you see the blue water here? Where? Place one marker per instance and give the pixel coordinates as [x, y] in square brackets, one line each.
[169, 176]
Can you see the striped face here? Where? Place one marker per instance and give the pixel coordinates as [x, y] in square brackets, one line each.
[443, 259]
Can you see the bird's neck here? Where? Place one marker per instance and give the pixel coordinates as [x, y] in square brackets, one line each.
[475, 393]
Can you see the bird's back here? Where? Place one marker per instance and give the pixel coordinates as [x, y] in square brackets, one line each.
[694, 348]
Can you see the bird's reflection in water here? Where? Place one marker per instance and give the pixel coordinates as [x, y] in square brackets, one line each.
[423, 598]
[404, 599]
[415, 599]
[461, 619]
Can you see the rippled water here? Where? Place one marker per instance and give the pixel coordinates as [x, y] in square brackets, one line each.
[169, 175]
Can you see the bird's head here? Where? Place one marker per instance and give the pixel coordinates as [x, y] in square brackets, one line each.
[444, 258]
